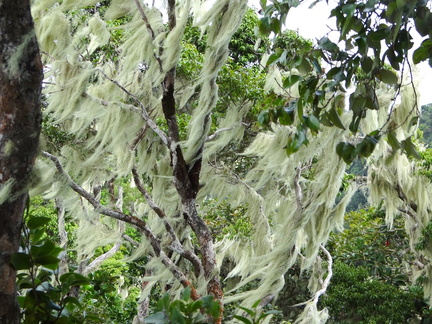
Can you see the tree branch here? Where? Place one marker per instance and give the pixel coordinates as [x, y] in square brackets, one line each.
[175, 245]
[327, 279]
[135, 221]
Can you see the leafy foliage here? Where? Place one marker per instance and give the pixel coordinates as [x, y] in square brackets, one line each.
[44, 296]
[185, 310]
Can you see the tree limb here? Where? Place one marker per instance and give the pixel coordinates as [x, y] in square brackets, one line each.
[135, 221]
[175, 245]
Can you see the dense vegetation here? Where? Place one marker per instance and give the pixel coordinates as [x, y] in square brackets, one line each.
[193, 169]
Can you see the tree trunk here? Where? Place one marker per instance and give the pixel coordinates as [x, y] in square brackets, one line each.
[20, 122]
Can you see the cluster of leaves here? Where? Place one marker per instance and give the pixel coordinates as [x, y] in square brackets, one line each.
[44, 296]
[355, 297]
[226, 221]
[185, 310]
[255, 314]
[371, 277]
[363, 29]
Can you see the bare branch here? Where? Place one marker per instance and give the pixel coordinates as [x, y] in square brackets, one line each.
[100, 259]
[327, 279]
[217, 132]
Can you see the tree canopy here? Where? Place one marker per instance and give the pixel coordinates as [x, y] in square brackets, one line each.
[160, 122]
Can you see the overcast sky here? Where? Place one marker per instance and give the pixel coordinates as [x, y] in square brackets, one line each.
[313, 23]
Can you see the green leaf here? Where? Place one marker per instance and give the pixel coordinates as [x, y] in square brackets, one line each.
[393, 141]
[186, 293]
[291, 80]
[274, 58]
[326, 44]
[242, 319]
[72, 300]
[36, 222]
[21, 261]
[388, 77]
[74, 279]
[334, 118]
[41, 250]
[312, 122]
[177, 317]
[367, 145]
[47, 261]
[410, 148]
[247, 310]
[346, 151]
[304, 67]
[424, 52]
[367, 64]
[263, 118]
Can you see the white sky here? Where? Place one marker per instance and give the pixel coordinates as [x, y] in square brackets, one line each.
[313, 23]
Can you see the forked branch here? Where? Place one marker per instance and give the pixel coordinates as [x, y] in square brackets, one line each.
[134, 221]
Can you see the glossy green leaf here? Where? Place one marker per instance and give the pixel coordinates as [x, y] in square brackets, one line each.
[313, 123]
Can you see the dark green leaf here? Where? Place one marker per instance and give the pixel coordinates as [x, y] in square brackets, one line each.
[367, 145]
[410, 148]
[393, 141]
[41, 250]
[334, 118]
[424, 52]
[346, 151]
[36, 222]
[312, 122]
[242, 319]
[47, 261]
[367, 64]
[289, 81]
[72, 300]
[326, 44]
[21, 261]
[247, 310]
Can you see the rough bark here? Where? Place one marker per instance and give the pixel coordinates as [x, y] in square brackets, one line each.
[20, 119]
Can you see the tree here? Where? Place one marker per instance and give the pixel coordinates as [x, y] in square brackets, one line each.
[130, 115]
[20, 117]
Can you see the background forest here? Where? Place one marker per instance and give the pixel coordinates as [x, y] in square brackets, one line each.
[200, 164]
